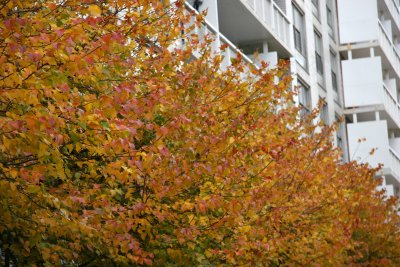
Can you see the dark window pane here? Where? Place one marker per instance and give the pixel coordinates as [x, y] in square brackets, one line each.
[334, 81]
[320, 68]
[297, 40]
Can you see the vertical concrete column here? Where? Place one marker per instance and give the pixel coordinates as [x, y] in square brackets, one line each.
[265, 47]
[350, 54]
[355, 120]
[377, 116]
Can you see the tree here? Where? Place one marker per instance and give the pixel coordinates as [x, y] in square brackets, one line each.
[118, 147]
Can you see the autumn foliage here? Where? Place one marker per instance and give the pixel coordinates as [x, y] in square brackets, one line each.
[119, 147]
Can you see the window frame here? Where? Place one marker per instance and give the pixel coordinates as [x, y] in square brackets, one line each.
[298, 30]
[334, 70]
[330, 18]
[339, 132]
[318, 53]
[304, 97]
[324, 112]
[315, 8]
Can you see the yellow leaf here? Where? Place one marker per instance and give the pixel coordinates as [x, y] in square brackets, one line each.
[245, 229]
[14, 173]
[13, 187]
[208, 253]
[94, 10]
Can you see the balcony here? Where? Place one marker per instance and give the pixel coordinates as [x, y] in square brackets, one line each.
[272, 15]
[392, 107]
[363, 77]
[394, 11]
[248, 21]
[394, 163]
[364, 29]
[386, 150]
[207, 29]
[363, 33]
[231, 51]
[389, 49]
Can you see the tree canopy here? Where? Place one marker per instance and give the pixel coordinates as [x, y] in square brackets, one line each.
[118, 147]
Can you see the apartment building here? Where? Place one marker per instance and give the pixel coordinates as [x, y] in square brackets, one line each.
[370, 51]
[345, 53]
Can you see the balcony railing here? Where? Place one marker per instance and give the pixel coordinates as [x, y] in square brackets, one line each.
[207, 29]
[389, 49]
[395, 163]
[270, 13]
[394, 10]
[281, 24]
[391, 105]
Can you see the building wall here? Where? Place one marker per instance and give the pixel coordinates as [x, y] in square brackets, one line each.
[322, 88]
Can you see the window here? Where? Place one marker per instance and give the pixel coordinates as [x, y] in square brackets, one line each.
[297, 40]
[318, 53]
[304, 98]
[323, 113]
[315, 8]
[329, 17]
[298, 28]
[299, 37]
[334, 71]
[339, 131]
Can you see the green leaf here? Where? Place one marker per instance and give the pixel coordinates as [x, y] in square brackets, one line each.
[74, 137]
[105, 125]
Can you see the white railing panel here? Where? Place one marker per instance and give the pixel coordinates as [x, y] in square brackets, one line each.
[389, 49]
[394, 10]
[391, 105]
[258, 8]
[267, 12]
[281, 24]
[252, 3]
[206, 29]
[271, 14]
[395, 163]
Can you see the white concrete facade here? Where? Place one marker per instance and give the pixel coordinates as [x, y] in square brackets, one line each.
[321, 36]
[370, 50]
